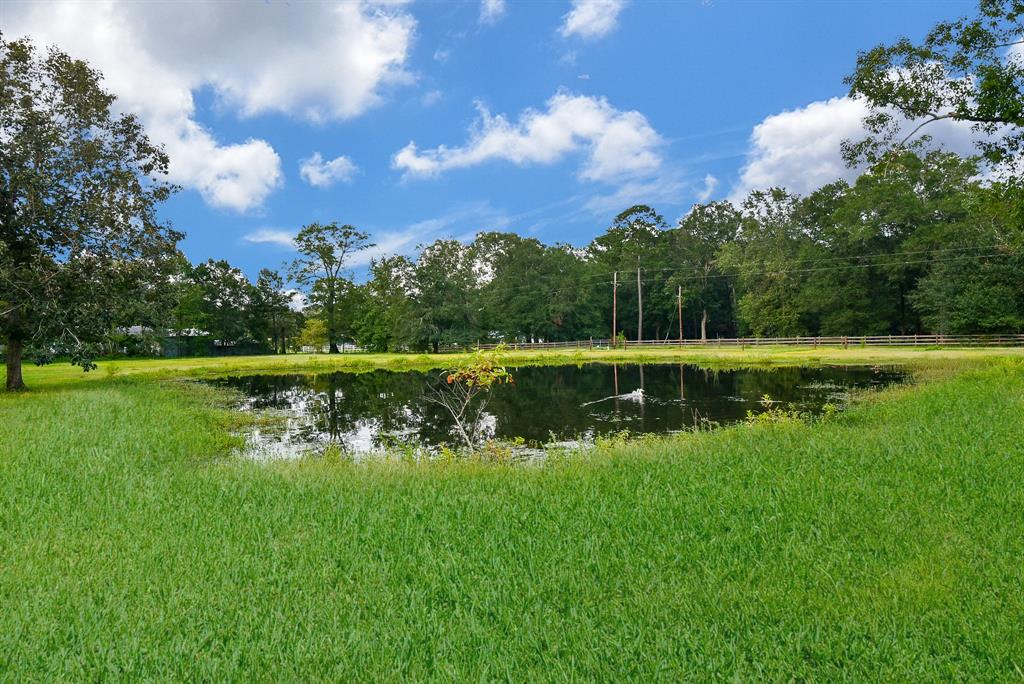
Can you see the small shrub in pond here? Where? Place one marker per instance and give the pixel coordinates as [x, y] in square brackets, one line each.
[465, 390]
[773, 415]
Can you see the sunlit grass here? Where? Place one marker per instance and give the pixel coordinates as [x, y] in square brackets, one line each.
[725, 357]
[884, 544]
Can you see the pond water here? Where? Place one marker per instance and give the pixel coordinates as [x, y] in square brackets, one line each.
[370, 412]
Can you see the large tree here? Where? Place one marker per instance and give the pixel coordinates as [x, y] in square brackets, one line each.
[80, 243]
[631, 244]
[324, 249]
[970, 70]
[533, 291]
[764, 259]
[696, 243]
[269, 311]
[446, 296]
[386, 320]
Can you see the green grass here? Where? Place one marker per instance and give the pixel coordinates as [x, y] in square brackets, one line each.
[885, 544]
[63, 374]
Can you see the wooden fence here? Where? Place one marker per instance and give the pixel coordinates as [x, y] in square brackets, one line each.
[743, 342]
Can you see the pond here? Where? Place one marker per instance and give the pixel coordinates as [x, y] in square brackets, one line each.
[373, 412]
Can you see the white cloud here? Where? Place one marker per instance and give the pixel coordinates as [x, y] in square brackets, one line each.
[800, 149]
[271, 236]
[431, 98]
[491, 11]
[668, 189]
[463, 219]
[618, 144]
[442, 55]
[323, 174]
[710, 185]
[387, 244]
[591, 18]
[313, 60]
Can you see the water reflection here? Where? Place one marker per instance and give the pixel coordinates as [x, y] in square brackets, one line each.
[374, 411]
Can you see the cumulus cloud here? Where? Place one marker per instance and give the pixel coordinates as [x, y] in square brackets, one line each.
[317, 61]
[323, 174]
[491, 11]
[591, 18]
[800, 149]
[617, 143]
[271, 236]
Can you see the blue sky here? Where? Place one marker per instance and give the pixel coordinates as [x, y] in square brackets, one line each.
[446, 118]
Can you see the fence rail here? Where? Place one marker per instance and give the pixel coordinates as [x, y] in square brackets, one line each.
[841, 341]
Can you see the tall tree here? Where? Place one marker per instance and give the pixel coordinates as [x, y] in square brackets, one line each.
[446, 295]
[975, 286]
[386, 320]
[533, 291]
[631, 242]
[324, 249]
[764, 259]
[79, 186]
[269, 312]
[225, 297]
[969, 70]
[696, 243]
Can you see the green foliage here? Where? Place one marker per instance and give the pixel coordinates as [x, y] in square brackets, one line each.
[446, 296]
[466, 389]
[83, 251]
[313, 333]
[773, 413]
[481, 370]
[520, 268]
[386, 317]
[960, 72]
[324, 250]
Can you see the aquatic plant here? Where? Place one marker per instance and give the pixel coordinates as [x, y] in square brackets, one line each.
[466, 390]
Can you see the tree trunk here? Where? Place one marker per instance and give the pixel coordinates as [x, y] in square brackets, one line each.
[14, 380]
[704, 326]
[332, 333]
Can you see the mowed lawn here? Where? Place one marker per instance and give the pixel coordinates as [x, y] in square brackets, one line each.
[886, 543]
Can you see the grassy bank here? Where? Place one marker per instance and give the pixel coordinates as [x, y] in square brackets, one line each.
[884, 544]
[62, 374]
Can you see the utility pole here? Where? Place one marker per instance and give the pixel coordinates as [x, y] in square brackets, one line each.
[639, 306]
[615, 303]
[679, 303]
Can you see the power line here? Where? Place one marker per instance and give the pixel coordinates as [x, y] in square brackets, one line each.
[601, 278]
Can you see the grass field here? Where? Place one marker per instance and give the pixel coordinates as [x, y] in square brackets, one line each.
[63, 374]
[884, 544]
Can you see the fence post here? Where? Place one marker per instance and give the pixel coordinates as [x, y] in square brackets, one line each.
[846, 342]
[591, 343]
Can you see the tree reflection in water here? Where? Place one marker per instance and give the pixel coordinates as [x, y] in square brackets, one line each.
[373, 411]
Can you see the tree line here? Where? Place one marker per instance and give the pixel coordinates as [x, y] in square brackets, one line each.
[917, 244]
[922, 241]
